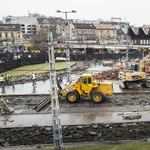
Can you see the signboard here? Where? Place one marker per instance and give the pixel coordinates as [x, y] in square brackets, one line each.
[90, 46]
[116, 18]
[73, 32]
[59, 45]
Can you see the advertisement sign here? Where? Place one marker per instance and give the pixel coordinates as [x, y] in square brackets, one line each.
[73, 32]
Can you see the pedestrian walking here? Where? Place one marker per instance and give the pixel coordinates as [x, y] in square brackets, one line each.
[2, 80]
[33, 78]
[7, 79]
[12, 78]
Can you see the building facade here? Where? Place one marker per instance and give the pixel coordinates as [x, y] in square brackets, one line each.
[29, 24]
[82, 31]
[55, 25]
[105, 33]
[140, 36]
[10, 34]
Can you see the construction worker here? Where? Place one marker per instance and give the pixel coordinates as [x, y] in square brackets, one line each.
[33, 78]
[6, 79]
[2, 80]
[12, 79]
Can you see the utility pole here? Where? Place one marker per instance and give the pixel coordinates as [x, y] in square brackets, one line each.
[85, 49]
[67, 51]
[67, 43]
[115, 42]
[57, 131]
[127, 46]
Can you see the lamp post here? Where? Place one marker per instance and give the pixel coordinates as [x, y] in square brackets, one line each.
[85, 48]
[67, 43]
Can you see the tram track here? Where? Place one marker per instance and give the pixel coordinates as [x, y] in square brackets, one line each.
[117, 99]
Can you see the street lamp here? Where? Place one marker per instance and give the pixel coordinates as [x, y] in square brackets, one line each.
[67, 43]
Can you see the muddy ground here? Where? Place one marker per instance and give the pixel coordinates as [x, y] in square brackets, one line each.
[101, 133]
[79, 135]
[118, 99]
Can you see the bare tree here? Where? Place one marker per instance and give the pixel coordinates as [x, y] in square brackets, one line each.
[39, 41]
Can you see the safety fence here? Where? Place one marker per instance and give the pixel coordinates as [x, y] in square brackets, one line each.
[29, 59]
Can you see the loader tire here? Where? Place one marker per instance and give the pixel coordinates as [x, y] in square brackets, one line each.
[97, 97]
[130, 85]
[147, 84]
[72, 97]
[2, 111]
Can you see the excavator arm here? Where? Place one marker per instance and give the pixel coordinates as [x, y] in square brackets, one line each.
[143, 62]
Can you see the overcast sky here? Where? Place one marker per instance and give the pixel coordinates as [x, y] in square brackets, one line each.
[136, 12]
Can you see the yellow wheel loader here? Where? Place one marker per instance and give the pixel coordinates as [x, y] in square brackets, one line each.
[87, 86]
[128, 78]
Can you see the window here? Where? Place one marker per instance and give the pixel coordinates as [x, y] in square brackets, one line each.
[134, 41]
[12, 35]
[84, 80]
[18, 34]
[89, 81]
[6, 35]
[147, 41]
[0, 35]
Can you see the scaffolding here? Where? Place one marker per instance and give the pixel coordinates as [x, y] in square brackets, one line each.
[57, 131]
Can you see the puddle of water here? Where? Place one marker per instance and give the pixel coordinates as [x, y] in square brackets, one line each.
[66, 119]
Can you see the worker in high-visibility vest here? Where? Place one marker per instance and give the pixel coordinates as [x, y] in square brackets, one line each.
[2, 80]
[12, 78]
[6, 79]
[33, 78]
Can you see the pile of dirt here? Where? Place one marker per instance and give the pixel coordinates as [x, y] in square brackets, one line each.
[113, 132]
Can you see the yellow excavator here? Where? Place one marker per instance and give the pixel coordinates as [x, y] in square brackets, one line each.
[87, 86]
[128, 78]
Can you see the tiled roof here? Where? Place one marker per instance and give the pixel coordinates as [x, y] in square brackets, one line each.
[83, 26]
[104, 26]
[146, 26]
[8, 27]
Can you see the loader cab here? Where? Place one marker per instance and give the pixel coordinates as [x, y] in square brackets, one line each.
[86, 82]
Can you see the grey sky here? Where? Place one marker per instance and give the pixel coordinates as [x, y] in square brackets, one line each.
[136, 12]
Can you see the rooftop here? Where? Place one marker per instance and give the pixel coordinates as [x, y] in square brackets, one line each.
[104, 26]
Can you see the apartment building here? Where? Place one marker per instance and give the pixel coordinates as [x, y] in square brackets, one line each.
[105, 33]
[10, 34]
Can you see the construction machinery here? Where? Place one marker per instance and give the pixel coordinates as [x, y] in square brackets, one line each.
[4, 108]
[87, 86]
[128, 78]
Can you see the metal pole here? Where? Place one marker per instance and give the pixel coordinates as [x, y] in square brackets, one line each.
[67, 51]
[143, 52]
[127, 46]
[85, 49]
[57, 132]
[115, 43]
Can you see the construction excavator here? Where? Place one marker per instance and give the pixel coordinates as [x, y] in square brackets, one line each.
[87, 86]
[136, 75]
